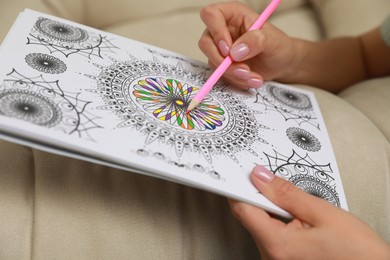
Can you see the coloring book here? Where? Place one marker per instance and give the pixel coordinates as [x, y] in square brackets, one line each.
[76, 91]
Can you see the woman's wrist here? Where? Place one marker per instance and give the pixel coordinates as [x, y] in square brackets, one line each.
[296, 71]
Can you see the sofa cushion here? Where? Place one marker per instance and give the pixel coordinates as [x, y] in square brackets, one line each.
[98, 14]
[350, 17]
[180, 31]
[372, 97]
[10, 9]
[17, 193]
[300, 22]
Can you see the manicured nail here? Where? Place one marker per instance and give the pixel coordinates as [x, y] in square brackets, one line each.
[239, 52]
[241, 73]
[254, 83]
[263, 174]
[223, 48]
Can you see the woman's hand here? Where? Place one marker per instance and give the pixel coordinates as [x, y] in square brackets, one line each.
[319, 230]
[265, 54]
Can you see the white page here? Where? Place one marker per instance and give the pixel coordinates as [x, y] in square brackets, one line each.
[89, 94]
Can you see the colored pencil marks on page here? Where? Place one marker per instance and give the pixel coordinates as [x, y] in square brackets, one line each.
[152, 97]
[167, 99]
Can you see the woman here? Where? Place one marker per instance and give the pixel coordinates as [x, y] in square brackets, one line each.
[318, 230]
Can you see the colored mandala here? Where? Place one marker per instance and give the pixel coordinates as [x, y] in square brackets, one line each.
[153, 97]
[303, 172]
[168, 99]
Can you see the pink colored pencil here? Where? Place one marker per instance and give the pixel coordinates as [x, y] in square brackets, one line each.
[217, 74]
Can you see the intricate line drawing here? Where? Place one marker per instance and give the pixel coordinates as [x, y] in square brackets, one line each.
[44, 103]
[67, 39]
[170, 56]
[167, 100]
[304, 173]
[45, 63]
[303, 139]
[153, 97]
[189, 166]
[290, 104]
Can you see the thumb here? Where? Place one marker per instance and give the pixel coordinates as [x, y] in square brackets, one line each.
[300, 204]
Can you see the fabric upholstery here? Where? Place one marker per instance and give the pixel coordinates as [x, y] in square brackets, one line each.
[350, 17]
[53, 207]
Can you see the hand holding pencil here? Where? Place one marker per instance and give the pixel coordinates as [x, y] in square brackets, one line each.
[217, 74]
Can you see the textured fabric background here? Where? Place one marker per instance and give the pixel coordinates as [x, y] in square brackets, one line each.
[53, 207]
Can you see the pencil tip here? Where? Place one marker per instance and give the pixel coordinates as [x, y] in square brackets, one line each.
[192, 105]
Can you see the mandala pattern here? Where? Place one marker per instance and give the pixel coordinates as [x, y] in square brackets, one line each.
[30, 106]
[67, 39]
[303, 139]
[194, 167]
[153, 97]
[45, 63]
[290, 98]
[292, 105]
[44, 103]
[166, 55]
[306, 174]
[60, 31]
[168, 99]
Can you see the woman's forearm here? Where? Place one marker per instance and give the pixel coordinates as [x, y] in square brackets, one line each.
[337, 63]
[331, 65]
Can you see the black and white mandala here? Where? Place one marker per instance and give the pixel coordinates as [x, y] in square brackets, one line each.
[303, 139]
[292, 105]
[45, 63]
[153, 97]
[306, 174]
[44, 103]
[59, 37]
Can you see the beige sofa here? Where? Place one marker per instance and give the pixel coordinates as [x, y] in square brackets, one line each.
[53, 207]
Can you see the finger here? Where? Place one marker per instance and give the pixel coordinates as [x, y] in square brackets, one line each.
[300, 204]
[265, 41]
[239, 75]
[215, 17]
[230, 76]
[248, 45]
[207, 46]
[258, 222]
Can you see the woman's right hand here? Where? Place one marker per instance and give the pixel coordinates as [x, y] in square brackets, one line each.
[259, 55]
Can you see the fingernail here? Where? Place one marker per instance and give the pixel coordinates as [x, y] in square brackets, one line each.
[223, 48]
[255, 83]
[263, 174]
[239, 51]
[241, 73]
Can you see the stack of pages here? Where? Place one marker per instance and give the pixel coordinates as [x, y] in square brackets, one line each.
[72, 90]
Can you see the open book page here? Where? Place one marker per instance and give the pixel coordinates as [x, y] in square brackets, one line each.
[74, 90]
